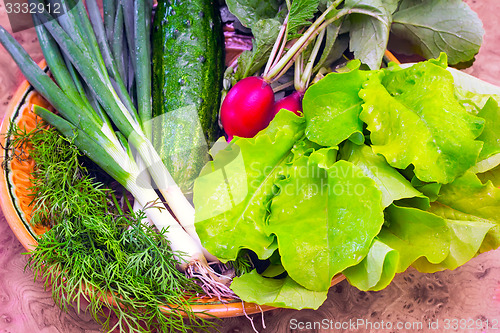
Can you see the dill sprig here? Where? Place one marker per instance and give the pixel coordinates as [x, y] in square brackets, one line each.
[97, 251]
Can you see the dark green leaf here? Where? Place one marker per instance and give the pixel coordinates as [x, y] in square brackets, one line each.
[301, 12]
[250, 12]
[422, 23]
[369, 30]
[265, 32]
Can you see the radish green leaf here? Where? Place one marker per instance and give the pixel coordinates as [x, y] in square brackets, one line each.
[421, 23]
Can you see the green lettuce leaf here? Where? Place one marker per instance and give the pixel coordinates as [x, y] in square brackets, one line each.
[490, 137]
[390, 182]
[430, 190]
[332, 107]
[415, 233]
[232, 192]
[468, 195]
[377, 270]
[466, 236]
[430, 241]
[325, 217]
[414, 118]
[283, 293]
[409, 234]
[421, 23]
[492, 176]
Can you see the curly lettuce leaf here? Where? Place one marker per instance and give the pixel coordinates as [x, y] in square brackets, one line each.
[430, 190]
[232, 192]
[376, 270]
[490, 137]
[332, 106]
[430, 241]
[414, 118]
[492, 176]
[283, 293]
[325, 217]
[390, 182]
[466, 236]
[468, 195]
[409, 234]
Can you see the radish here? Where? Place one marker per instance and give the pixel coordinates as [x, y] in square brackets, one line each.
[247, 108]
[292, 102]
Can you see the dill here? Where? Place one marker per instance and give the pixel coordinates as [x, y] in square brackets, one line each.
[100, 251]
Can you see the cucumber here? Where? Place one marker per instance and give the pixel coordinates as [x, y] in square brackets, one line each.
[188, 68]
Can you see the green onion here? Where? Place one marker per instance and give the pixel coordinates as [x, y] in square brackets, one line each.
[95, 136]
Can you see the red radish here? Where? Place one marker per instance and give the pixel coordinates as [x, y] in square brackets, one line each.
[292, 102]
[247, 108]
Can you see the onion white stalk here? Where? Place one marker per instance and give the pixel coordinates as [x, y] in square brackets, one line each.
[92, 130]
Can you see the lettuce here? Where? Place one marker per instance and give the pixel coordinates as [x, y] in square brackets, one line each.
[414, 118]
[323, 194]
[390, 182]
[283, 293]
[332, 107]
[324, 222]
[240, 183]
[430, 241]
